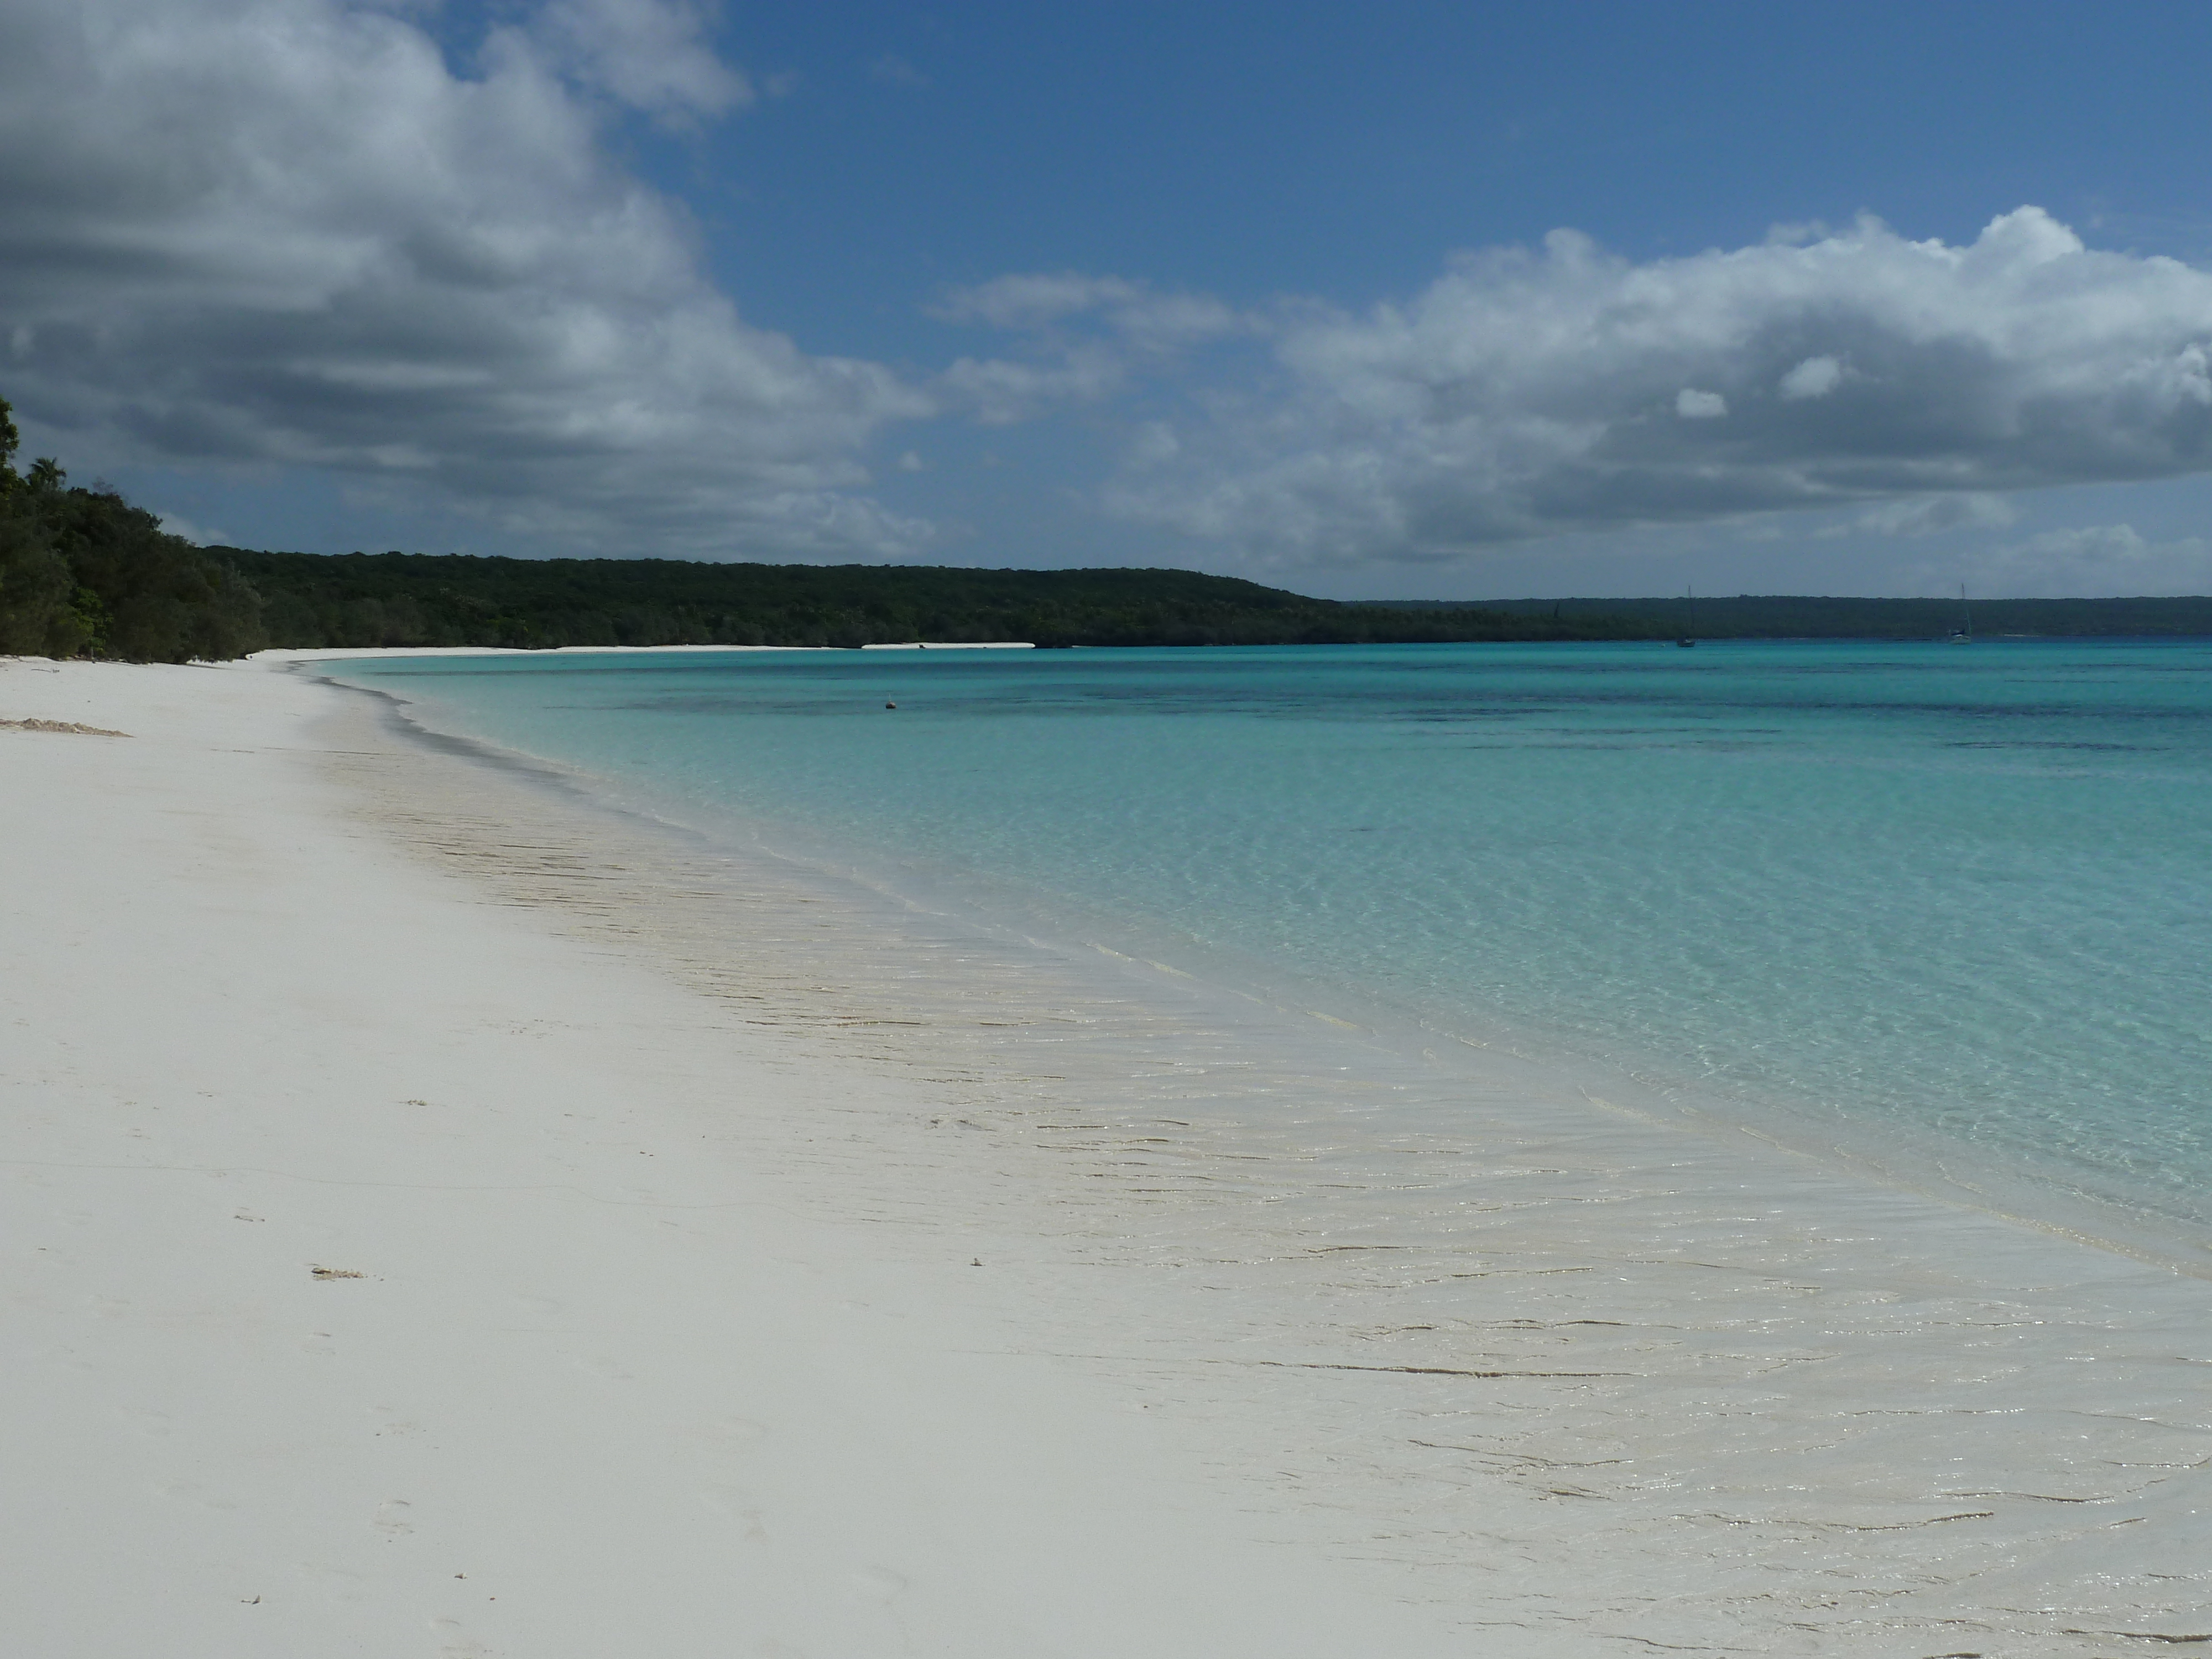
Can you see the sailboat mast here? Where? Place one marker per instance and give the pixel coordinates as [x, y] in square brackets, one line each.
[1964, 633]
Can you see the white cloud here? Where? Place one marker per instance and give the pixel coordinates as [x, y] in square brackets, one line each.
[1816, 377]
[1527, 394]
[998, 392]
[2086, 562]
[1034, 300]
[177, 524]
[286, 231]
[1083, 337]
[652, 55]
[1925, 515]
[897, 72]
[1133, 312]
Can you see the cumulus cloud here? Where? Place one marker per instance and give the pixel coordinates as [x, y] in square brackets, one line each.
[287, 231]
[1816, 377]
[1528, 393]
[1083, 337]
[652, 55]
[1929, 514]
[998, 391]
[1133, 312]
[2092, 560]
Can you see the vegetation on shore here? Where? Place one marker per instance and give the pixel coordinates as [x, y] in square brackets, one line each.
[1786, 616]
[84, 573]
[401, 599]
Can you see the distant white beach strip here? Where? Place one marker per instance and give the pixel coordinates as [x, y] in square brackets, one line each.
[277, 654]
[746, 1259]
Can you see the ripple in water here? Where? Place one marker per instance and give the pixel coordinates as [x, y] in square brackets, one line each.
[1912, 891]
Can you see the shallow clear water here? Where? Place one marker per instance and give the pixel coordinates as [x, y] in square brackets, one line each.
[1920, 890]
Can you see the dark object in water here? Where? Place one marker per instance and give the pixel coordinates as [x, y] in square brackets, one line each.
[1964, 633]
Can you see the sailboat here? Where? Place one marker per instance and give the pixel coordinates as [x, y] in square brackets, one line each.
[1689, 618]
[1964, 633]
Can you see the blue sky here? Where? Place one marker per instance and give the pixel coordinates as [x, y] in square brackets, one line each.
[1864, 298]
[1346, 151]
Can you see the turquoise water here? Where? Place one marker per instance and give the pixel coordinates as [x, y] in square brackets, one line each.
[1958, 896]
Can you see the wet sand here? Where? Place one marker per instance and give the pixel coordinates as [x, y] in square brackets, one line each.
[748, 1263]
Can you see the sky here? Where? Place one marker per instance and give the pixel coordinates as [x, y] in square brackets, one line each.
[1410, 300]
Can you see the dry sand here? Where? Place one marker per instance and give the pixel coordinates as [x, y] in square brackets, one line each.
[443, 1219]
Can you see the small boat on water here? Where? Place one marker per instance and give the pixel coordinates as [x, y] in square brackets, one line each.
[1689, 618]
[1964, 633]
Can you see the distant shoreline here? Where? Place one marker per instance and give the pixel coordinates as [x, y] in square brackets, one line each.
[1786, 616]
[1542, 1267]
[340, 654]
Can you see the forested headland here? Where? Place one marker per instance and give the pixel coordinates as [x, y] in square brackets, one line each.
[412, 599]
[85, 574]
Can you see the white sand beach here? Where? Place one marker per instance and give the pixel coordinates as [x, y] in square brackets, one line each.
[444, 1218]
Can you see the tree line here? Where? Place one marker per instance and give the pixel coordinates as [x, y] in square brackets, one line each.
[1798, 617]
[85, 574]
[418, 599]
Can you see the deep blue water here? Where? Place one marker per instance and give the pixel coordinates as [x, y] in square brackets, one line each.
[1964, 891]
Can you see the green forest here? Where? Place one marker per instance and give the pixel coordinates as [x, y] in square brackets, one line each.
[1784, 617]
[85, 574]
[401, 599]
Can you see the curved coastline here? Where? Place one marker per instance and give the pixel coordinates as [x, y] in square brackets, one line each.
[1757, 1339]
[401, 1246]
[2046, 1193]
[444, 1198]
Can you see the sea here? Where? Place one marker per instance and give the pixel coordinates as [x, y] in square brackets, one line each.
[1942, 909]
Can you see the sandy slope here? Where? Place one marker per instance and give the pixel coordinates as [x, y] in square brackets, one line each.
[386, 1274]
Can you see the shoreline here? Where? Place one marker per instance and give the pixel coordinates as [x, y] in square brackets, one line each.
[2046, 1194]
[1428, 1379]
[274, 655]
[394, 1272]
